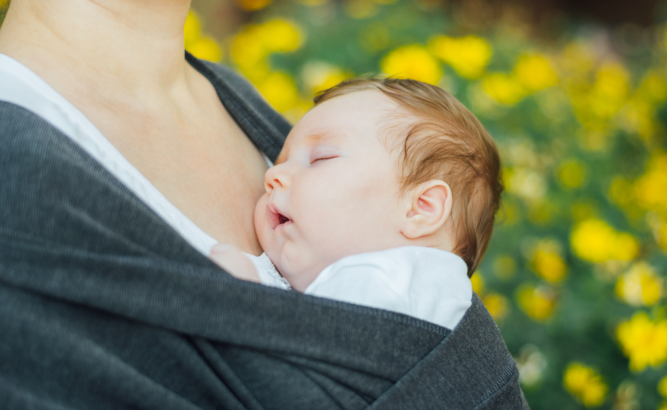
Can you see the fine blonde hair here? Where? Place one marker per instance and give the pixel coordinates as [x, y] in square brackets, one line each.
[443, 140]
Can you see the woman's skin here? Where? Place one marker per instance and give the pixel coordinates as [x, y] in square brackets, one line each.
[121, 63]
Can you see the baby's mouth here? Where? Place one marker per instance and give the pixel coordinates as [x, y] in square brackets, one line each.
[275, 217]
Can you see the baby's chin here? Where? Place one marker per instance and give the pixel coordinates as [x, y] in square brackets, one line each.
[298, 266]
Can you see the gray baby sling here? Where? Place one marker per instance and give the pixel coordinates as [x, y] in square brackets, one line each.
[104, 306]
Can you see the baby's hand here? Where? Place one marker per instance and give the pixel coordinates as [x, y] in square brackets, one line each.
[234, 261]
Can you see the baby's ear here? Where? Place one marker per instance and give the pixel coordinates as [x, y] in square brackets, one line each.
[430, 207]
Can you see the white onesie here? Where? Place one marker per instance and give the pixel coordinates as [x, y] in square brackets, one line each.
[429, 284]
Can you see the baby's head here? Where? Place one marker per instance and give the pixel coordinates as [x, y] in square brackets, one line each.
[378, 164]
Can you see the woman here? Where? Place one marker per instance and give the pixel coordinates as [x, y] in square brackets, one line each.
[122, 163]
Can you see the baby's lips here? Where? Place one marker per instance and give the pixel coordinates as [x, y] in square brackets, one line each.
[275, 216]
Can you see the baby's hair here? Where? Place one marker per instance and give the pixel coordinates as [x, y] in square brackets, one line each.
[443, 140]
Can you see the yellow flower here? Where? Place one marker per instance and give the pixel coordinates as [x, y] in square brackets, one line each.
[477, 283]
[572, 173]
[537, 303]
[650, 188]
[467, 55]
[547, 262]
[319, 76]
[497, 305]
[640, 285]
[535, 72]
[247, 49]
[627, 247]
[595, 241]
[610, 90]
[643, 341]
[254, 43]
[192, 29]
[206, 48]
[585, 384]
[662, 386]
[612, 80]
[503, 88]
[412, 61]
[595, 105]
[298, 110]
[280, 91]
[253, 5]
[662, 389]
[280, 36]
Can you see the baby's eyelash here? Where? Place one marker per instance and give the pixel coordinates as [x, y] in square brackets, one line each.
[322, 159]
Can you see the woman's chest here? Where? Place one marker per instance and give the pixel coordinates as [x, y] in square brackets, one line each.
[204, 166]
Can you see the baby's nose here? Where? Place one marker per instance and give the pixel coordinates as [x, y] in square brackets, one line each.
[271, 185]
[275, 178]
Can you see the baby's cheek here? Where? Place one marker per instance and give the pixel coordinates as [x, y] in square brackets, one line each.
[262, 224]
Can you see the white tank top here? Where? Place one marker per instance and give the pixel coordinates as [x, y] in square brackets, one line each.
[21, 86]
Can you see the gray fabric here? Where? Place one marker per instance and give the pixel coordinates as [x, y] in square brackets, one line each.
[104, 306]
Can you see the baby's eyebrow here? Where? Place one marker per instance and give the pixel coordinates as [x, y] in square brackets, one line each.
[312, 139]
[329, 135]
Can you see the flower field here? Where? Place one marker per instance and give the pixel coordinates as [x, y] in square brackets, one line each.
[575, 273]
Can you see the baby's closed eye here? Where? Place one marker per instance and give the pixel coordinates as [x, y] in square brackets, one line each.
[322, 158]
[322, 154]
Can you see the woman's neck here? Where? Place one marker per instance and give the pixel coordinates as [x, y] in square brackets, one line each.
[132, 48]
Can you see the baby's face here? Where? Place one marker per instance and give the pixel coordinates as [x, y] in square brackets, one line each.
[334, 189]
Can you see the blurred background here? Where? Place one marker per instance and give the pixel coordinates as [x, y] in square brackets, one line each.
[574, 93]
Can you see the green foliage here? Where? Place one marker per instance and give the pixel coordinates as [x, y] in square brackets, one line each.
[581, 243]
[575, 272]
[4, 6]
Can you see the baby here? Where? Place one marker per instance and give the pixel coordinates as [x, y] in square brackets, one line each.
[384, 195]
